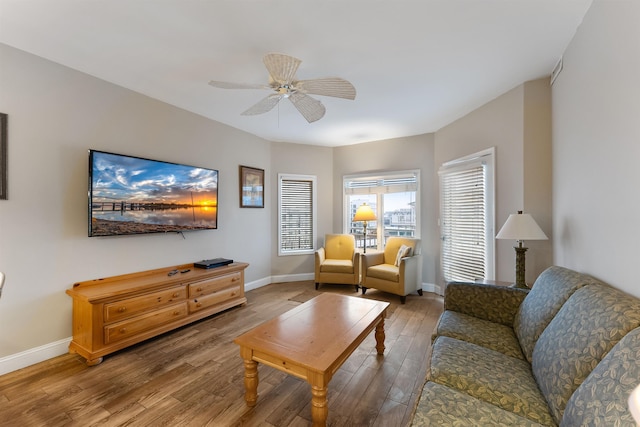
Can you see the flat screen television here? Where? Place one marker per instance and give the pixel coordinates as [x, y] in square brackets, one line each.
[133, 195]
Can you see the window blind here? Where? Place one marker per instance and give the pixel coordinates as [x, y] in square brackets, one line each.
[296, 233]
[463, 223]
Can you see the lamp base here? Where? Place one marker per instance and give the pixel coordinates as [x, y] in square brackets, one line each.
[520, 270]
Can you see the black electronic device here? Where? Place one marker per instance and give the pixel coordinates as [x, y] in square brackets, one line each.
[212, 263]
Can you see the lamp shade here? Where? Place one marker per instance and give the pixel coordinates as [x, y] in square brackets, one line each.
[364, 213]
[634, 405]
[521, 227]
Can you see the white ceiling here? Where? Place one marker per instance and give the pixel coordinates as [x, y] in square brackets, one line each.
[416, 65]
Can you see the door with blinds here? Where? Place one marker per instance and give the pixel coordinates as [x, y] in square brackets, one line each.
[466, 218]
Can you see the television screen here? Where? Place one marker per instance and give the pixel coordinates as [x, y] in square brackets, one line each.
[132, 195]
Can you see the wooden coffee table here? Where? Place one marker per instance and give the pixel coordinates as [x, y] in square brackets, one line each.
[311, 342]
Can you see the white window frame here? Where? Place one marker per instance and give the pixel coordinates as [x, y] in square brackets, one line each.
[379, 192]
[486, 159]
[296, 177]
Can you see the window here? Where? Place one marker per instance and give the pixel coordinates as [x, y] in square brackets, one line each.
[393, 196]
[296, 214]
[466, 218]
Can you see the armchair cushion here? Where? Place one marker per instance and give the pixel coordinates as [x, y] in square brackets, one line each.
[384, 272]
[336, 266]
[339, 246]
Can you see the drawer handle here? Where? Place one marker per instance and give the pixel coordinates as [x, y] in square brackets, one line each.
[233, 294]
[176, 295]
[198, 304]
[198, 289]
[123, 330]
[235, 279]
[122, 309]
[176, 313]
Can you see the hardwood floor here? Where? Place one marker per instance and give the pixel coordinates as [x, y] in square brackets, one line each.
[193, 376]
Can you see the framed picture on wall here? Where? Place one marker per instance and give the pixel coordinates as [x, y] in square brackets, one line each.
[3, 156]
[251, 187]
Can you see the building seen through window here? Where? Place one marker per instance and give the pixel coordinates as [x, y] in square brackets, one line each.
[392, 198]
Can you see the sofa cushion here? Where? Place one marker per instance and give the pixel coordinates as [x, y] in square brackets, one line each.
[601, 400]
[385, 272]
[552, 288]
[585, 329]
[481, 332]
[489, 375]
[444, 406]
[337, 266]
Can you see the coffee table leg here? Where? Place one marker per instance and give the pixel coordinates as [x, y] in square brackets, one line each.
[319, 408]
[380, 335]
[250, 382]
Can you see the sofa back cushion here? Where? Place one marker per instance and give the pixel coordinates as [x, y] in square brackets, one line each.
[601, 400]
[589, 324]
[552, 288]
[339, 246]
[393, 246]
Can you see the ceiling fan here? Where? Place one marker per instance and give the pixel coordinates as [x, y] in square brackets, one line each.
[282, 69]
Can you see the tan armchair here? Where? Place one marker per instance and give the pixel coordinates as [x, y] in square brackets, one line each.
[338, 261]
[381, 271]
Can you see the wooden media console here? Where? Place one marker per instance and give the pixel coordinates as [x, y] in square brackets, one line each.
[112, 313]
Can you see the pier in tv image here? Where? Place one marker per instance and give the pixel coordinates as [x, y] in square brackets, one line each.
[133, 195]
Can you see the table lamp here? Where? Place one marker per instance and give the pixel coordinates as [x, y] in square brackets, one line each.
[634, 405]
[364, 214]
[521, 227]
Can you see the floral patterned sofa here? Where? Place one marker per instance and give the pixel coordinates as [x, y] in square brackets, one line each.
[566, 353]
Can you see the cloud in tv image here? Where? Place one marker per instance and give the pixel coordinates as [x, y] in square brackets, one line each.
[132, 195]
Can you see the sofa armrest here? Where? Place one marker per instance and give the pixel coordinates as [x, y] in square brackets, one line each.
[356, 264]
[489, 302]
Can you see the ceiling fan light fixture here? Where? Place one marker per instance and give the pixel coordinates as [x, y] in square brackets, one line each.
[282, 69]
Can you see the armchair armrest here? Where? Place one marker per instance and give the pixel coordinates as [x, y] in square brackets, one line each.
[356, 263]
[319, 259]
[369, 260]
[408, 270]
[489, 302]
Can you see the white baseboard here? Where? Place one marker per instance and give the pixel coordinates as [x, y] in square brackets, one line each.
[292, 277]
[33, 355]
[431, 287]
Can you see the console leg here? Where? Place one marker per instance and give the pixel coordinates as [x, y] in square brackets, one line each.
[403, 299]
[317, 284]
[364, 290]
[420, 292]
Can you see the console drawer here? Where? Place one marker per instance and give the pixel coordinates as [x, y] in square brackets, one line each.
[205, 287]
[214, 298]
[128, 328]
[130, 307]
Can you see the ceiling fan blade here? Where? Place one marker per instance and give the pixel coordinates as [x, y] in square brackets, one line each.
[310, 108]
[229, 85]
[264, 105]
[282, 68]
[329, 86]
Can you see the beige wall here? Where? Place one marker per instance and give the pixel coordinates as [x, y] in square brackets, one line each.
[596, 147]
[409, 153]
[517, 124]
[56, 115]
[304, 160]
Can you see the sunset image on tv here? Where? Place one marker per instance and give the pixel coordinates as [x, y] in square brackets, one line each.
[132, 195]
